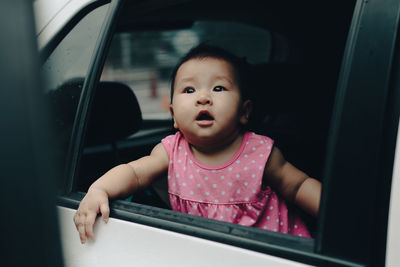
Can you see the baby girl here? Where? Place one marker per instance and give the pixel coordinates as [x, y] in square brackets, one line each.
[216, 169]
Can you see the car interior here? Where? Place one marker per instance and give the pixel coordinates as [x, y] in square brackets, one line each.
[295, 56]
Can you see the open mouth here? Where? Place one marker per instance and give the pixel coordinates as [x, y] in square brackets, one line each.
[204, 116]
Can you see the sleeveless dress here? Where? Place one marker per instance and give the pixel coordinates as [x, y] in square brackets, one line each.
[232, 191]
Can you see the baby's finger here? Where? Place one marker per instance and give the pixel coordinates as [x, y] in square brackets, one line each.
[82, 234]
[105, 211]
[76, 220]
[90, 218]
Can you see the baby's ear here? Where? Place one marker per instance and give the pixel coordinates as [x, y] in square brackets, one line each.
[171, 111]
[247, 107]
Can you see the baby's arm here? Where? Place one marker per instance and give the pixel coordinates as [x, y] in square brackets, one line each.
[293, 184]
[118, 182]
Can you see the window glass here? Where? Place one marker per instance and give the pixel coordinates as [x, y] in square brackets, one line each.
[144, 59]
[65, 70]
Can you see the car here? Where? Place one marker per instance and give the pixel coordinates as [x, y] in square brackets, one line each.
[326, 89]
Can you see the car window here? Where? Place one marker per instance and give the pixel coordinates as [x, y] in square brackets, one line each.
[65, 70]
[137, 73]
[142, 61]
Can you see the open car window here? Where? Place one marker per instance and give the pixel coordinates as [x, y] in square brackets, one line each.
[142, 61]
[130, 111]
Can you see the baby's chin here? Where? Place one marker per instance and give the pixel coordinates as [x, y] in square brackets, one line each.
[199, 139]
[211, 139]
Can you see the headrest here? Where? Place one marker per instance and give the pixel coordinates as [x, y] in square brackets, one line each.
[115, 113]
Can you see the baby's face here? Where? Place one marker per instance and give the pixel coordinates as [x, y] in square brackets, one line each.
[206, 104]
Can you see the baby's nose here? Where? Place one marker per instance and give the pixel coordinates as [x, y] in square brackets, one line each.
[204, 99]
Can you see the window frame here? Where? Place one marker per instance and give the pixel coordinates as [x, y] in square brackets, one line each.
[46, 51]
[369, 49]
[86, 98]
[330, 247]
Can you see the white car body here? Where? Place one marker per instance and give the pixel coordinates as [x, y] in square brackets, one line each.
[51, 16]
[393, 235]
[123, 243]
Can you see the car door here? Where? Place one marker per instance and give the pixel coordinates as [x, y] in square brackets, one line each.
[356, 160]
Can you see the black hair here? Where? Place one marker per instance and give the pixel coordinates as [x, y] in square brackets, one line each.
[205, 50]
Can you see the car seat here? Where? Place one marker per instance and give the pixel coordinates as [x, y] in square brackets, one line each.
[286, 107]
[114, 116]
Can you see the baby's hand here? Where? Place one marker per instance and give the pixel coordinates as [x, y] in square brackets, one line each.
[95, 201]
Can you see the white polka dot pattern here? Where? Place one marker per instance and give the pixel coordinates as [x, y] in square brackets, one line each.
[230, 191]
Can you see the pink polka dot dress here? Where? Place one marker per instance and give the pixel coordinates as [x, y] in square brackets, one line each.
[232, 191]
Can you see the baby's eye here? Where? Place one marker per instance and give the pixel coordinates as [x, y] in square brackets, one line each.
[219, 89]
[188, 90]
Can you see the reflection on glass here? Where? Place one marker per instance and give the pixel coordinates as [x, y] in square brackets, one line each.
[64, 72]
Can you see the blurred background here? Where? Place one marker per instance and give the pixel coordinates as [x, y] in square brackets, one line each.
[144, 60]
